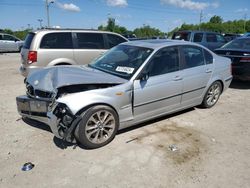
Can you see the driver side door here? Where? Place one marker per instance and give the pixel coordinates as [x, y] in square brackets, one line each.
[161, 92]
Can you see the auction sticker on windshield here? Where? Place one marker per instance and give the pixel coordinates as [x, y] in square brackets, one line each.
[128, 70]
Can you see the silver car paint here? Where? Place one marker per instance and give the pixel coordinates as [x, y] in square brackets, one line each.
[175, 91]
[10, 45]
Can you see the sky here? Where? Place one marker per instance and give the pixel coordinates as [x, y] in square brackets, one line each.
[89, 14]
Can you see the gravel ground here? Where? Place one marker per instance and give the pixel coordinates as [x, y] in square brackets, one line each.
[213, 146]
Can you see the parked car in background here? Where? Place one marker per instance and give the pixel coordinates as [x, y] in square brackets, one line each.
[211, 40]
[10, 43]
[238, 51]
[247, 34]
[52, 47]
[131, 83]
[230, 36]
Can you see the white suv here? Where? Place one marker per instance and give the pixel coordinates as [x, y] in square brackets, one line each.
[65, 47]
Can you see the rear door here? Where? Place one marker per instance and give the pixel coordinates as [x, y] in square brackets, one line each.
[89, 46]
[161, 92]
[196, 74]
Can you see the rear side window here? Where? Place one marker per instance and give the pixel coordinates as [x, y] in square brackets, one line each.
[181, 36]
[1, 37]
[90, 40]
[28, 40]
[57, 41]
[208, 57]
[193, 56]
[211, 37]
[114, 40]
[198, 37]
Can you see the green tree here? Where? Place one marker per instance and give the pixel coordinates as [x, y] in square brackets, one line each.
[147, 31]
[216, 19]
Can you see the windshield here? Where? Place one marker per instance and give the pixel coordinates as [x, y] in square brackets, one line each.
[122, 60]
[238, 44]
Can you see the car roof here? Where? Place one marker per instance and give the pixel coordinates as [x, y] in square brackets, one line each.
[47, 30]
[196, 31]
[158, 43]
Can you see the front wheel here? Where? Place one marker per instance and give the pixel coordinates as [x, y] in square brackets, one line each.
[98, 127]
[212, 95]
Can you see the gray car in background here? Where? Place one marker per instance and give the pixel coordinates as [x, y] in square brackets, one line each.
[211, 40]
[131, 83]
[10, 43]
[50, 47]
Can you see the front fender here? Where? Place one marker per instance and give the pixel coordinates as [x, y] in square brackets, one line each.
[120, 101]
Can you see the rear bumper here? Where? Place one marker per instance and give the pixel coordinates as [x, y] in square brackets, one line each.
[241, 72]
[25, 70]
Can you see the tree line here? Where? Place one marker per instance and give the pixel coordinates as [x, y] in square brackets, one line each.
[215, 24]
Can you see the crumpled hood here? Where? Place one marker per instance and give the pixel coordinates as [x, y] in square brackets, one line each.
[52, 78]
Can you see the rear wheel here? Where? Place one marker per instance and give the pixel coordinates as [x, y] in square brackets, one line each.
[212, 95]
[98, 127]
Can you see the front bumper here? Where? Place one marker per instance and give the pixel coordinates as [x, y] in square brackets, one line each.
[38, 110]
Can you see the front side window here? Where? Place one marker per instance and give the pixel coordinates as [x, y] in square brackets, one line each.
[166, 60]
[198, 37]
[57, 41]
[122, 60]
[90, 40]
[193, 56]
[211, 37]
[114, 40]
[8, 37]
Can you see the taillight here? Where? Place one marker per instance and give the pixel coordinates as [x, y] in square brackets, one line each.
[245, 59]
[32, 56]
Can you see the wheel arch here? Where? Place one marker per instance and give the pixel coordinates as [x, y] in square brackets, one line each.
[84, 109]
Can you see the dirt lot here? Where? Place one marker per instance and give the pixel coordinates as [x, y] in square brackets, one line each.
[213, 147]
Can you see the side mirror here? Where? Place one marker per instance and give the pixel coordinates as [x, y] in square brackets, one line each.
[144, 76]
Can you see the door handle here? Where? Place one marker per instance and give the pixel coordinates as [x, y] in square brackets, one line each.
[177, 78]
[208, 71]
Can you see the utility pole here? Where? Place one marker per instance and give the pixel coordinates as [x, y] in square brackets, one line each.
[48, 2]
[245, 19]
[201, 17]
[40, 21]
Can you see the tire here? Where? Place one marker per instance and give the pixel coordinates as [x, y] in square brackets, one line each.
[212, 95]
[98, 127]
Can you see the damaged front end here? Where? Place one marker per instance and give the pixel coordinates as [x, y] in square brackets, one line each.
[42, 106]
[45, 87]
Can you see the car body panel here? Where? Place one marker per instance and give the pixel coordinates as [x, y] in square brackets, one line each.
[135, 100]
